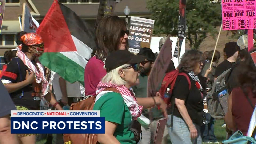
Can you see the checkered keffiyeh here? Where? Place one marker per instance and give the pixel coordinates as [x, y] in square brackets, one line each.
[128, 96]
[40, 77]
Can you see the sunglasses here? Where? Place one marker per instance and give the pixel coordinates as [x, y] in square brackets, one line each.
[39, 45]
[136, 67]
[144, 62]
[123, 32]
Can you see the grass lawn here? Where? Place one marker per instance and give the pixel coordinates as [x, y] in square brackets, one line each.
[219, 131]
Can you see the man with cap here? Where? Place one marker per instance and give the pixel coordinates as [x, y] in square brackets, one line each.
[140, 91]
[231, 51]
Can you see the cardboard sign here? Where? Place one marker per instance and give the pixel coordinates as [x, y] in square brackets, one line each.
[29, 24]
[140, 33]
[160, 66]
[238, 14]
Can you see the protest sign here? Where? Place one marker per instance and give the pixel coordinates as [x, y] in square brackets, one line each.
[140, 33]
[238, 14]
[160, 66]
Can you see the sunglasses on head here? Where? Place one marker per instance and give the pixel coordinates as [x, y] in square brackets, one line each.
[136, 67]
[123, 32]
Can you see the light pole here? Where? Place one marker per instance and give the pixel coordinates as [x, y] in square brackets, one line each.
[127, 12]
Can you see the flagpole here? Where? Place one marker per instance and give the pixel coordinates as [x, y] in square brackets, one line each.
[216, 45]
[179, 49]
[100, 12]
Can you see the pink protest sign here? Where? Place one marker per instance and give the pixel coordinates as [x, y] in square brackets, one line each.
[238, 14]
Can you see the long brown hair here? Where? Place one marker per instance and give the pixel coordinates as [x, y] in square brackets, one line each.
[108, 35]
[189, 60]
[247, 78]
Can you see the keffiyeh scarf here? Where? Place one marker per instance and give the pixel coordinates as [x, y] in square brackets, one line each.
[40, 77]
[196, 79]
[128, 96]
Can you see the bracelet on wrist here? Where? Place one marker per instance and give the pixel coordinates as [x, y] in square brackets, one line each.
[55, 104]
[154, 101]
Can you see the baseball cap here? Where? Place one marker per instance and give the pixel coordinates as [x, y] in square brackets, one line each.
[121, 57]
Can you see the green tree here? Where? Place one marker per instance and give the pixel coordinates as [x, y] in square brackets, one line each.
[202, 17]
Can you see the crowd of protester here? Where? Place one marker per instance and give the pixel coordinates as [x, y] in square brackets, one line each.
[119, 79]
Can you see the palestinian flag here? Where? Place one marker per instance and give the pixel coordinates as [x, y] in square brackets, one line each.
[68, 42]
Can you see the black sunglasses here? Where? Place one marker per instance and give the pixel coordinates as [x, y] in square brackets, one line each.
[40, 45]
[136, 67]
[144, 62]
[123, 32]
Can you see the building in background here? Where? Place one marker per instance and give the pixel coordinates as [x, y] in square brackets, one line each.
[85, 9]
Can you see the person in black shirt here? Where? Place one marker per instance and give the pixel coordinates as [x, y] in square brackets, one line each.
[231, 51]
[187, 101]
[232, 78]
[25, 80]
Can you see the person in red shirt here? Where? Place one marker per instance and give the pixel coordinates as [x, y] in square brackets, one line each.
[242, 100]
[8, 55]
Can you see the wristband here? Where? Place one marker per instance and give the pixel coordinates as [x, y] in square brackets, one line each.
[55, 104]
[154, 101]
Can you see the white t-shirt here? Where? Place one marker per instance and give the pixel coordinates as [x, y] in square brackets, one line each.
[73, 89]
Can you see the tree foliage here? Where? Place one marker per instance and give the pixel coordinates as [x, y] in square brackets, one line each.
[202, 16]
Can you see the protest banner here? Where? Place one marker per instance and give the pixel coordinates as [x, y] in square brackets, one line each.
[2, 6]
[238, 14]
[29, 24]
[155, 79]
[140, 33]
[160, 66]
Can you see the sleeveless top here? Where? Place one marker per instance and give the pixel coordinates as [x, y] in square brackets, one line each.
[242, 109]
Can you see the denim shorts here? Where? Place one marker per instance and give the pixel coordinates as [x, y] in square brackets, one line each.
[180, 134]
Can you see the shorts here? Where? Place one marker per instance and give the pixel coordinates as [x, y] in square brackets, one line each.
[23, 135]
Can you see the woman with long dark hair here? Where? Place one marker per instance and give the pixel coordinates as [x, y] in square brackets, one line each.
[111, 35]
[242, 100]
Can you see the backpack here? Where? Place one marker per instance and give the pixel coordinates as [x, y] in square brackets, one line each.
[86, 104]
[167, 88]
[217, 98]
[168, 85]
